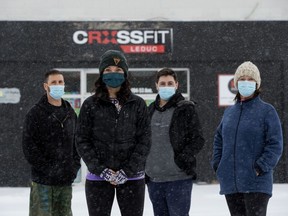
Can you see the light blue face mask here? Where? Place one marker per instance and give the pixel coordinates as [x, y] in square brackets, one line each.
[113, 79]
[166, 92]
[246, 88]
[56, 91]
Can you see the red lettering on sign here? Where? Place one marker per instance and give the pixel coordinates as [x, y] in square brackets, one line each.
[94, 36]
[143, 48]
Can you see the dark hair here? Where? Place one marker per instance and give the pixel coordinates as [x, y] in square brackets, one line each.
[51, 72]
[102, 92]
[166, 72]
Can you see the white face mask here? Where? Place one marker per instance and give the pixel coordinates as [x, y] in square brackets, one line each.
[166, 93]
[246, 88]
[56, 91]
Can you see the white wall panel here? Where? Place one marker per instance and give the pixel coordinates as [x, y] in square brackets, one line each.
[170, 10]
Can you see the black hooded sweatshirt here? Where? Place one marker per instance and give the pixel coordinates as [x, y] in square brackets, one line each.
[185, 131]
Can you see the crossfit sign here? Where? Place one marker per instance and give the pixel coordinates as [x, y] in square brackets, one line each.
[129, 41]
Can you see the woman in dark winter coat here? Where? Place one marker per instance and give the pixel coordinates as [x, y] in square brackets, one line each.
[176, 139]
[113, 139]
[247, 146]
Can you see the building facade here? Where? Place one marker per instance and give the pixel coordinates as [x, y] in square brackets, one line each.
[205, 55]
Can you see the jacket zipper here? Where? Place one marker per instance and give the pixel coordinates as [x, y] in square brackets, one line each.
[61, 122]
[117, 114]
[235, 182]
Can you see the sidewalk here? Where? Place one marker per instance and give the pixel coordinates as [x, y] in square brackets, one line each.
[206, 201]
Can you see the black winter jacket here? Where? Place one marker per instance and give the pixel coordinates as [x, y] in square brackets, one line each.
[49, 144]
[185, 131]
[106, 139]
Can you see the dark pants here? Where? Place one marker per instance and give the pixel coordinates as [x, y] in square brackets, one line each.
[170, 198]
[130, 197]
[247, 204]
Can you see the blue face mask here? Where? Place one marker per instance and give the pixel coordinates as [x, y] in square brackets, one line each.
[166, 92]
[56, 91]
[246, 88]
[113, 79]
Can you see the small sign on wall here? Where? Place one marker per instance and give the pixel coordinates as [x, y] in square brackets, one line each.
[226, 90]
[9, 95]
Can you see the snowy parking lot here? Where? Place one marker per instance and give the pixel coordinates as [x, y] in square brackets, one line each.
[206, 201]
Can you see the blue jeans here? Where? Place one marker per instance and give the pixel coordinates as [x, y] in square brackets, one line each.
[171, 198]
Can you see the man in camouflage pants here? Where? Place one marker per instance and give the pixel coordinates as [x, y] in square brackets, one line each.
[49, 147]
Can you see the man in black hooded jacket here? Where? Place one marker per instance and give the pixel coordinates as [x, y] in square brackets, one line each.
[49, 147]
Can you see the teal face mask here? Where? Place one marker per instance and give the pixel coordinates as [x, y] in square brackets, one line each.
[113, 79]
[246, 88]
[56, 91]
[166, 93]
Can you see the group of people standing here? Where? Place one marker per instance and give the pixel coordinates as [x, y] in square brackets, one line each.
[126, 144]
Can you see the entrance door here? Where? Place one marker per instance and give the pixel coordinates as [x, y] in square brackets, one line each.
[143, 82]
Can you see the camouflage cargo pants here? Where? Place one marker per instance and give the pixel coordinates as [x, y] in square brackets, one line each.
[50, 200]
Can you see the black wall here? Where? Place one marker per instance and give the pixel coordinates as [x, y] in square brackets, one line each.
[29, 49]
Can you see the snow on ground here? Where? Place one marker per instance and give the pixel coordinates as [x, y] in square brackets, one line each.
[206, 201]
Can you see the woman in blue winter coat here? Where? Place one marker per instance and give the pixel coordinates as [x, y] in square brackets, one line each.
[247, 146]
